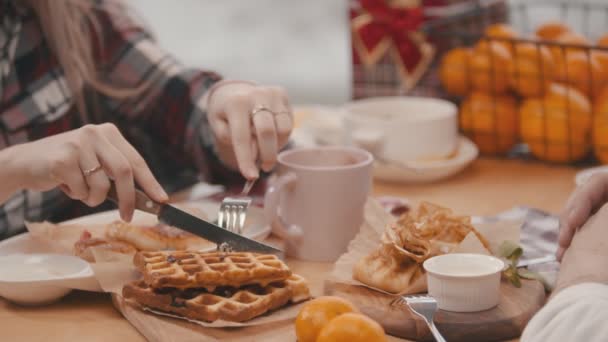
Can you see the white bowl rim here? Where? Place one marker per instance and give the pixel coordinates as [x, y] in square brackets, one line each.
[82, 272]
[445, 109]
[498, 265]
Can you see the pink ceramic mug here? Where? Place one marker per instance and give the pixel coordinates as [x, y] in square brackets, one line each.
[316, 200]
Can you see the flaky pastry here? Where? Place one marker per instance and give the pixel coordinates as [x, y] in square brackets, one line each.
[155, 238]
[396, 266]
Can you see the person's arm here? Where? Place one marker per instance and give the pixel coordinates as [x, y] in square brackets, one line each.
[587, 256]
[9, 174]
[200, 129]
[578, 307]
[170, 110]
[581, 205]
[82, 163]
[578, 313]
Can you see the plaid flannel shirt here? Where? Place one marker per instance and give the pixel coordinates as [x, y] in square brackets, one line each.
[167, 124]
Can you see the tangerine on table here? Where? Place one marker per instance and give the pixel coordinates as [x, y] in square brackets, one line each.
[532, 70]
[551, 30]
[317, 313]
[454, 71]
[603, 41]
[490, 121]
[556, 127]
[352, 327]
[490, 67]
[504, 33]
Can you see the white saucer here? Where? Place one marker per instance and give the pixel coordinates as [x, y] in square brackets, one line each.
[430, 171]
[582, 176]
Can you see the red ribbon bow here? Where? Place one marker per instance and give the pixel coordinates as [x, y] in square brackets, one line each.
[380, 26]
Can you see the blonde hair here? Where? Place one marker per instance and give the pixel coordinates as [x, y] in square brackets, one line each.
[71, 27]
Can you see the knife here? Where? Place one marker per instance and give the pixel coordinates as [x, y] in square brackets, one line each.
[180, 219]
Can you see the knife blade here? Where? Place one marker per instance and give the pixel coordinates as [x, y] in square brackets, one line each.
[209, 231]
[175, 217]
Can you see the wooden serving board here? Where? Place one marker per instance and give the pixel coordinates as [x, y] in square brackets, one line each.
[504, 322]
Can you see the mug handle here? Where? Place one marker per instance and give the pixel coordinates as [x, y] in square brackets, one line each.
[289, 232]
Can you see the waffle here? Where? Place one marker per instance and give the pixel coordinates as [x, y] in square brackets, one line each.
[183, 270]
[224, 303]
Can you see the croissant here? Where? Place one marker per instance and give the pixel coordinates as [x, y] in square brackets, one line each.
[394, 267]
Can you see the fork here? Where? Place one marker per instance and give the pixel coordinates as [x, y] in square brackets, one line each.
[233, 210]
[424, 306]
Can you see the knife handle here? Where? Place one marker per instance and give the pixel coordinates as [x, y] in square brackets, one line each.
[142, 201]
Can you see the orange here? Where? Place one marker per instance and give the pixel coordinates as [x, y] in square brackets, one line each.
[551, 30]
[560, 52]
[490, 121]
[352, 327]
[532, 70]
[582, 71]
[490, 67]
[600, 126]
[454, 71]
[571, 38]
[504, 34]
[315, 314]
[602, 59]
[556, 127]
[600, 103]
[602, 55]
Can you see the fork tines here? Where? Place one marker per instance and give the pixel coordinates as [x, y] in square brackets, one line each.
[232, 213]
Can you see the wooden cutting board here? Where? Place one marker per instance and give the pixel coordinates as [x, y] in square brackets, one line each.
[506, 321]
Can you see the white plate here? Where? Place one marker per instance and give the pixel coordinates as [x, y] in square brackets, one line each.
[256, 227]
[430, 171]
[582, 176]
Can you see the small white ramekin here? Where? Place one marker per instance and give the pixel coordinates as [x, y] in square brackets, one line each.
[464, 282]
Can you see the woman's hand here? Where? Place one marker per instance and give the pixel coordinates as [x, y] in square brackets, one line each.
[584, 202]
[82, 162]
[250, 122]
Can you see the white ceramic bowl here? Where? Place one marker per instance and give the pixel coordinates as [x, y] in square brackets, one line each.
[411, 128]
[464, 282]
[38, 279]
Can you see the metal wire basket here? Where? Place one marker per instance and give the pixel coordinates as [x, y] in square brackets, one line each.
[551, 95]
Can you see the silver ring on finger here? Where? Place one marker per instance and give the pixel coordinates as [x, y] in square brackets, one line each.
[261, 108]
[92, 170]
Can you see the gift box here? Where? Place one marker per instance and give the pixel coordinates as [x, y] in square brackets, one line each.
[396, 43]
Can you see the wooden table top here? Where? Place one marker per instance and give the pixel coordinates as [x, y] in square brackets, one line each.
[487, 187]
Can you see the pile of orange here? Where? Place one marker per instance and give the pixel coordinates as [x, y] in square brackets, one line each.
[549, 91]
[333, 319]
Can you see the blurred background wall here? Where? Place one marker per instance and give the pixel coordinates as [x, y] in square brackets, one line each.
[303, 45]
